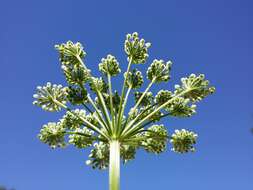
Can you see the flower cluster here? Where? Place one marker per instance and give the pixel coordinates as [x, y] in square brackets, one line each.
[70, 52]
[91, 117]
[183, 141]
[71, 120]
[134, 79]
[127, 153]
[82, 138]
[109, 65]
[76, 95]
[76, 74]
[99, 156]
[52, 134]
[48, 96]
[156, 139]
[146, 100]
[98, 84]
[115, 100]
[142, 112]
[136, 49]
[159, 71]
[163, 96]
[197, 87]
[181, 107]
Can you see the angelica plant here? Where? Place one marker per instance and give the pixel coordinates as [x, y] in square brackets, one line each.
[95, 115]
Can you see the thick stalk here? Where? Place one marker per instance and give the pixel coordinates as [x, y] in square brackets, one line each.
[114, 167]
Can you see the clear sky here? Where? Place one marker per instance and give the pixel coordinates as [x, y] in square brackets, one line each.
[199, 36]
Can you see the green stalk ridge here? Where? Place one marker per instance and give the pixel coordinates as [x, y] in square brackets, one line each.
[114, 165]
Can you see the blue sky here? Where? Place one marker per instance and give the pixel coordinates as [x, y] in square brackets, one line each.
[199, 36]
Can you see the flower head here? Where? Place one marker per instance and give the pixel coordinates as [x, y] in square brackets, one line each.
[136, 49]
[109, 65]
[76, 74]
[99, 156]
[156, 139]
[163, 96]
[183, 141]
[134, 79]
[70, 52]
[52, 134]
[77, 95]
[82, 138]
[159, 71]
[71, 120]
[197, 87]
[98, 84]
[147, 99]
[180, 107]
[47, 96]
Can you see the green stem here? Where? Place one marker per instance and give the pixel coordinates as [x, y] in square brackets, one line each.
[138, 125]
[114, 165]
[138, 103]
[143, 94]
[87, 123]
[123, 92]
[104, 109]
[111, 100]
[119, 129]
[100, 119]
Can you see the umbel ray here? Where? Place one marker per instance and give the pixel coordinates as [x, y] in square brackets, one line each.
[101, 122]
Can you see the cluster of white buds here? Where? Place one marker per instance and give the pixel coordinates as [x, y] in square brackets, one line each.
[76, 95]
[180, 107]
[98, 84]
[127, 153]
[99, 156]
[146, 100]
[82, 137]
[134, 79]
[91, 117]
[183, 141]
[71, 120]
[70, 52]
[163, 96]
[159, 71]
[142, 112]
[136, 49]
[52, 134]
[197, 87]
[109, 65]
[76, 74]
[46, 96]
[115, 100]
[156, 139]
